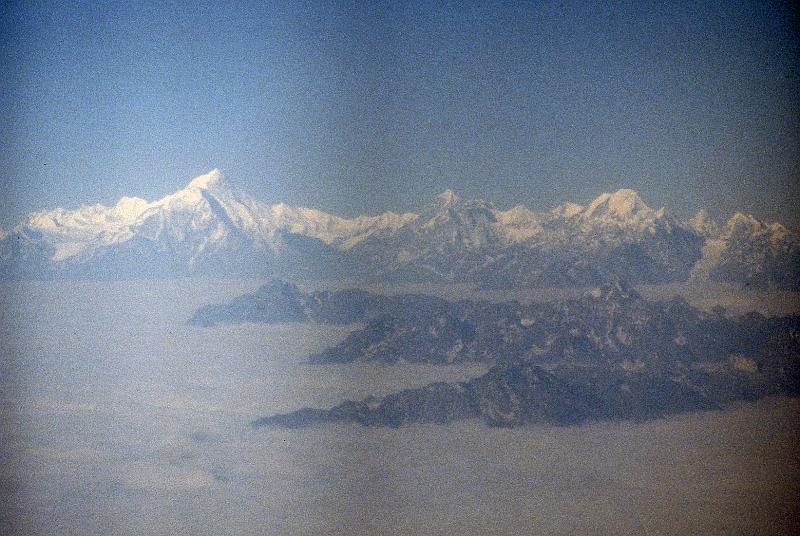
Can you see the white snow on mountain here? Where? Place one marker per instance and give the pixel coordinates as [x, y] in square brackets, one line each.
[518, 224]
[621, 208]
[747, 227]
[567, 210]
[207, 213]
[211, 219]
[448, 198]
[704, 224]
[333, 230]
[71, 233]
[448, 223]
[747, 250]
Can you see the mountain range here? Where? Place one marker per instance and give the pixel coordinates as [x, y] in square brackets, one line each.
[608, 354]
[212, 228]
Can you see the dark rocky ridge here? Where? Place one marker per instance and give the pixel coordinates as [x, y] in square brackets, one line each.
[512, 394]
[607, 355]
[611, 324]
[279, 301]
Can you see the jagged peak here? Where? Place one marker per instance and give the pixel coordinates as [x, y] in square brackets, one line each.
[276, 286]
[740, 218]
[213, 182]
[518, 223]
[516, 214]
[778, 233]
[126, 201]
[622, 203]
[213, 178]
[567, 210]
[703, 223]
[702, 217]
[448, 201]
[448, 197]
[778, 228]
[744, 225]
[519, 209]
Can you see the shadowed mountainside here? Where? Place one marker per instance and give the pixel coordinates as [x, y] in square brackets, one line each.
[608, 354]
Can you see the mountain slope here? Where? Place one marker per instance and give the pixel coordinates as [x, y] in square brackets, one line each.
[749, 252]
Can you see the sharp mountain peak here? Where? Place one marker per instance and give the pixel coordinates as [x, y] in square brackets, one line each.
[213, 179]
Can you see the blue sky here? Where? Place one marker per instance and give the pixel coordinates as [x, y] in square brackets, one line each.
[357, 108]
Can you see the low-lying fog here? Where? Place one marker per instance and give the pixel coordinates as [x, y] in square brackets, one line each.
[118, 418]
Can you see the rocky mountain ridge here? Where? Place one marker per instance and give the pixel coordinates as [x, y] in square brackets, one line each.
[608, 354]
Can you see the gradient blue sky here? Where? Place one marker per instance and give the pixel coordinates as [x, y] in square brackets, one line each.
[354, 108]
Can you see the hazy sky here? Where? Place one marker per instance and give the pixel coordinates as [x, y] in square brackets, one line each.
[358, 109]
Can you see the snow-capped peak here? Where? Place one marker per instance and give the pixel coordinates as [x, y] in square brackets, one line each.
[739, 219]
[519, 214]
[517, 224]
[195, 193]
[778, 232]
[447, 198]
[621, 204]
[211, 221]
[704, 224]
[213, 178]
[745, 226]
[567, 210]
[129, 208]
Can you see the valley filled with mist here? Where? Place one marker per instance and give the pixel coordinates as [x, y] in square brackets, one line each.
[121, 417]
